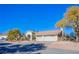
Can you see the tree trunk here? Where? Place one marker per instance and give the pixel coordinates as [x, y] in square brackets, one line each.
[77, 37]
[62, 33]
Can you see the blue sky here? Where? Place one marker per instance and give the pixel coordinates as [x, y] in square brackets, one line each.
[37, 17]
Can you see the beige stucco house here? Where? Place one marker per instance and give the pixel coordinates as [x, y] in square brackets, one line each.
[52, 35]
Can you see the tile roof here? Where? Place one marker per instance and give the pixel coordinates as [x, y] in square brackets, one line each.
[52, 32]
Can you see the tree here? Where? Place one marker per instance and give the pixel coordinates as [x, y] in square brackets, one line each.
[23, 37]
[61, 24]
[14, 34]
[72, 19]
[72, 16]
[33, 36]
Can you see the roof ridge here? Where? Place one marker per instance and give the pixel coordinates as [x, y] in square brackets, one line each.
[49, 30]
[54, 32]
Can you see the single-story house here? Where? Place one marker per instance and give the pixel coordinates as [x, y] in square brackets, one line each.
[53, 35]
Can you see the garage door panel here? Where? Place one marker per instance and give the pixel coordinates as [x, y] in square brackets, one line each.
[47, 38]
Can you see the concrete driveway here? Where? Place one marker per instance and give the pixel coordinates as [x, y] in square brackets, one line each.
[51, 51]
[57, 51]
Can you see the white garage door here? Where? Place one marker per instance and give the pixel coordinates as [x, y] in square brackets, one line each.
[46, 38]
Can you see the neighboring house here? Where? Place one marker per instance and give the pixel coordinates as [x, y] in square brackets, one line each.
[53, 35]
[3, 37]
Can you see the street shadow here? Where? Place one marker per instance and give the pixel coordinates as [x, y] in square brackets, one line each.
[9, 49]
[32, 47]
[22, 48]
[4, 44]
